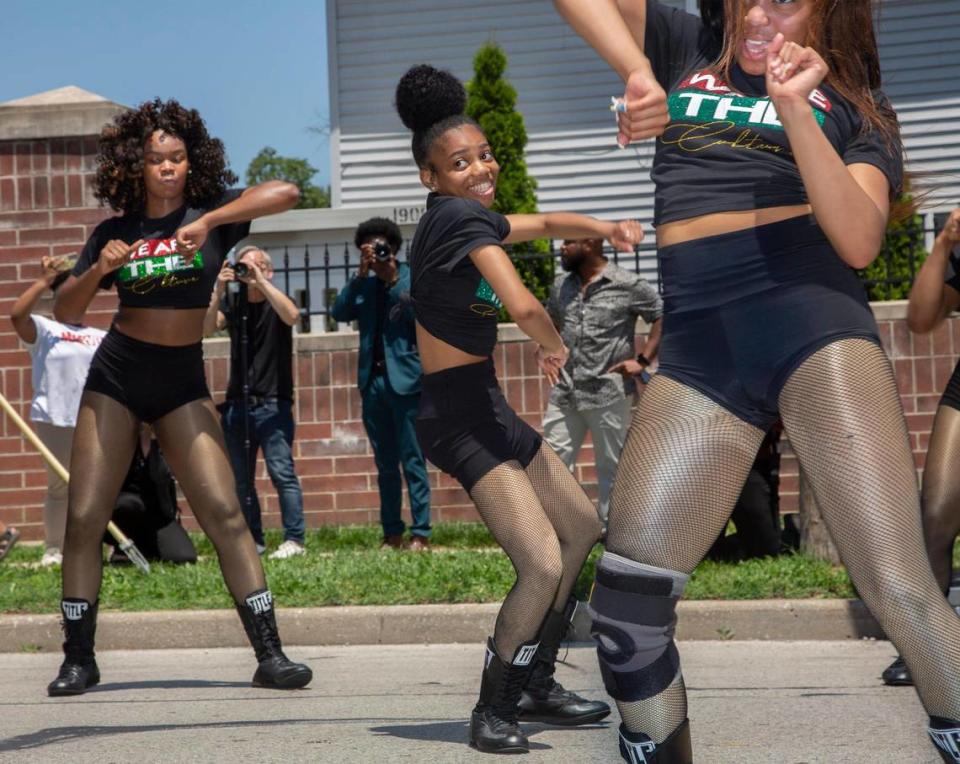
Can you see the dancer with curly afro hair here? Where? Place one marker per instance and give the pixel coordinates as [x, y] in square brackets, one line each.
[526, 496]
[168, 178]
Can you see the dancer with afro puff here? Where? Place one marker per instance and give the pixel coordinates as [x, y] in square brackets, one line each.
[159, 168]
[460, 277]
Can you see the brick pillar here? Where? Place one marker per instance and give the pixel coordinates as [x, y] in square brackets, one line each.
[48, 146]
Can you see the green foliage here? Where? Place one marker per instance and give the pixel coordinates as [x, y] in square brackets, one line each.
[492, 103]
[269, 165]
[344, 567]
[890, 276]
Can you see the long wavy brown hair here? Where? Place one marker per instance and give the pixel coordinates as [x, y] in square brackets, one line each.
[119, 178]
[842, 31]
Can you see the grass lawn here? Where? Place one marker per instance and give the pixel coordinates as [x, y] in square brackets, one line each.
[343, 566]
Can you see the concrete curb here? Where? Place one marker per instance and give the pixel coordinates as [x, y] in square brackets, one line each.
[434, 624]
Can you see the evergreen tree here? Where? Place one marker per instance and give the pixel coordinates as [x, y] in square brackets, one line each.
[492, 103]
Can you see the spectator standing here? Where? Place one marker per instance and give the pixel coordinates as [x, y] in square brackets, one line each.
[595, 306]
[60, 356]
[270, 318]
[388, 374]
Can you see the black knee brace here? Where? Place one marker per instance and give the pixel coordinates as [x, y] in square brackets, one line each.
[633, 607]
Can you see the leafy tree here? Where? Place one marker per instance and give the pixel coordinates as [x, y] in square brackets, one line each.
[492, 103]
[890, 276]
[269, 165]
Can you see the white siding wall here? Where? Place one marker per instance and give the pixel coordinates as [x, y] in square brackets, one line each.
[564, 91]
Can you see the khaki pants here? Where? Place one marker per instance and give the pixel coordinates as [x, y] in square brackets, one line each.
[59, 440]
[566, 429]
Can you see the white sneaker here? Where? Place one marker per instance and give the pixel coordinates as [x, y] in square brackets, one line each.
[51, 556]
[260, 548]
[288, 548]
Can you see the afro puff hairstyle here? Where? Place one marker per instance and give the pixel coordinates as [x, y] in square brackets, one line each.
[379, 227]
[430, 101]
[119, 178]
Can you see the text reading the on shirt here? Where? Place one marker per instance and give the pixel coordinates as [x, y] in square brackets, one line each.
[156, 264]
[706, 112]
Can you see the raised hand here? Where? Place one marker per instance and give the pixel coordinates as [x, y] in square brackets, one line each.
[115, 254]
[793, 71]
[190, 238]
[951, 229]
[642, 113]
[625, 234]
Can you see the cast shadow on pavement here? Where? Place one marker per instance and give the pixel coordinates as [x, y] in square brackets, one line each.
[52, 735]
[163, 684]
[458, 732]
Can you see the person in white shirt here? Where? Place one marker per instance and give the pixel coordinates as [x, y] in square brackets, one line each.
[60, 355]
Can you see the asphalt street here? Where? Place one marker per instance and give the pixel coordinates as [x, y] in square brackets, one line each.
[750, 702]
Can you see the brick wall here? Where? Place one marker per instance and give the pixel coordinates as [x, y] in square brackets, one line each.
[46, 208]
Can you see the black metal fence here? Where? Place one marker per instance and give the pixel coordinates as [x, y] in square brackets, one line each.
[313, 274]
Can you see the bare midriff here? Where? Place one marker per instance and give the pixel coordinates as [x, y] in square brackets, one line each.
[437, 355]
[160, 326]
[718, 223]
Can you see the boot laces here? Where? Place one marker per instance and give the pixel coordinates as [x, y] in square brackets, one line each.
[505, 702]
[269, 636]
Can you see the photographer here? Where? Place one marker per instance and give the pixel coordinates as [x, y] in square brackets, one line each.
[270, 317]
[388, 374]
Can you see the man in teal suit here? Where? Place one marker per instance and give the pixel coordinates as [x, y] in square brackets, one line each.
[388, 374]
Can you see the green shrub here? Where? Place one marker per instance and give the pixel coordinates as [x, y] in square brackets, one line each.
[492, 103]
[890, 276]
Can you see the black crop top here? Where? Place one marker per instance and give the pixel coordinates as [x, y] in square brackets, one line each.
[724, 147]
[451, 300]
[156, 276]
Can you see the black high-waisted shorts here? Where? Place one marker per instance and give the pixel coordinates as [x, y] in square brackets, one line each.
[951, 393]
[150, 380]
[466, 427]
[743, 310]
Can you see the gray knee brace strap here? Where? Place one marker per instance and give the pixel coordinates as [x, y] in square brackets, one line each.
[633, 607]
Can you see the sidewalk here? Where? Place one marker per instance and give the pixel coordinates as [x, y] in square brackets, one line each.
[433, 624]
[750, 703]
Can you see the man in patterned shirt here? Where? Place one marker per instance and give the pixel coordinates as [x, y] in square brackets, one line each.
[595, 308]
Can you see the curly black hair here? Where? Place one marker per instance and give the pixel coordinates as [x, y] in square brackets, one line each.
[430, 101]
[119, 179]
[379, 227]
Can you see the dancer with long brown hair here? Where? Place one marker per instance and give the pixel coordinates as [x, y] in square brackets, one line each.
[775, 167]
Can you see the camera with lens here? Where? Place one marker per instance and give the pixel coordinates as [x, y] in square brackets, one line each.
[241, 270]
[382, 251]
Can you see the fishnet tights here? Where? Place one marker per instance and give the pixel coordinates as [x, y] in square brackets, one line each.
[940, 498]
[686, 459]
[193, 445]
[547, 526]
[681, 471]
[842, 411]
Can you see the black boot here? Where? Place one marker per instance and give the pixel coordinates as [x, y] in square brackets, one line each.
[897, 674]
[544, 699]
[637, 748]
[260, 623]
[493, 724]
[79, 668]
[945, 734]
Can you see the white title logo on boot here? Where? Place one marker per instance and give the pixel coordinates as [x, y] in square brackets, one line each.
[637, 752]
[260, 603]
[73, 611]
[947, 741]
[525, 654]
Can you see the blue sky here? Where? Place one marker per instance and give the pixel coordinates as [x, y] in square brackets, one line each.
[257, 71]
